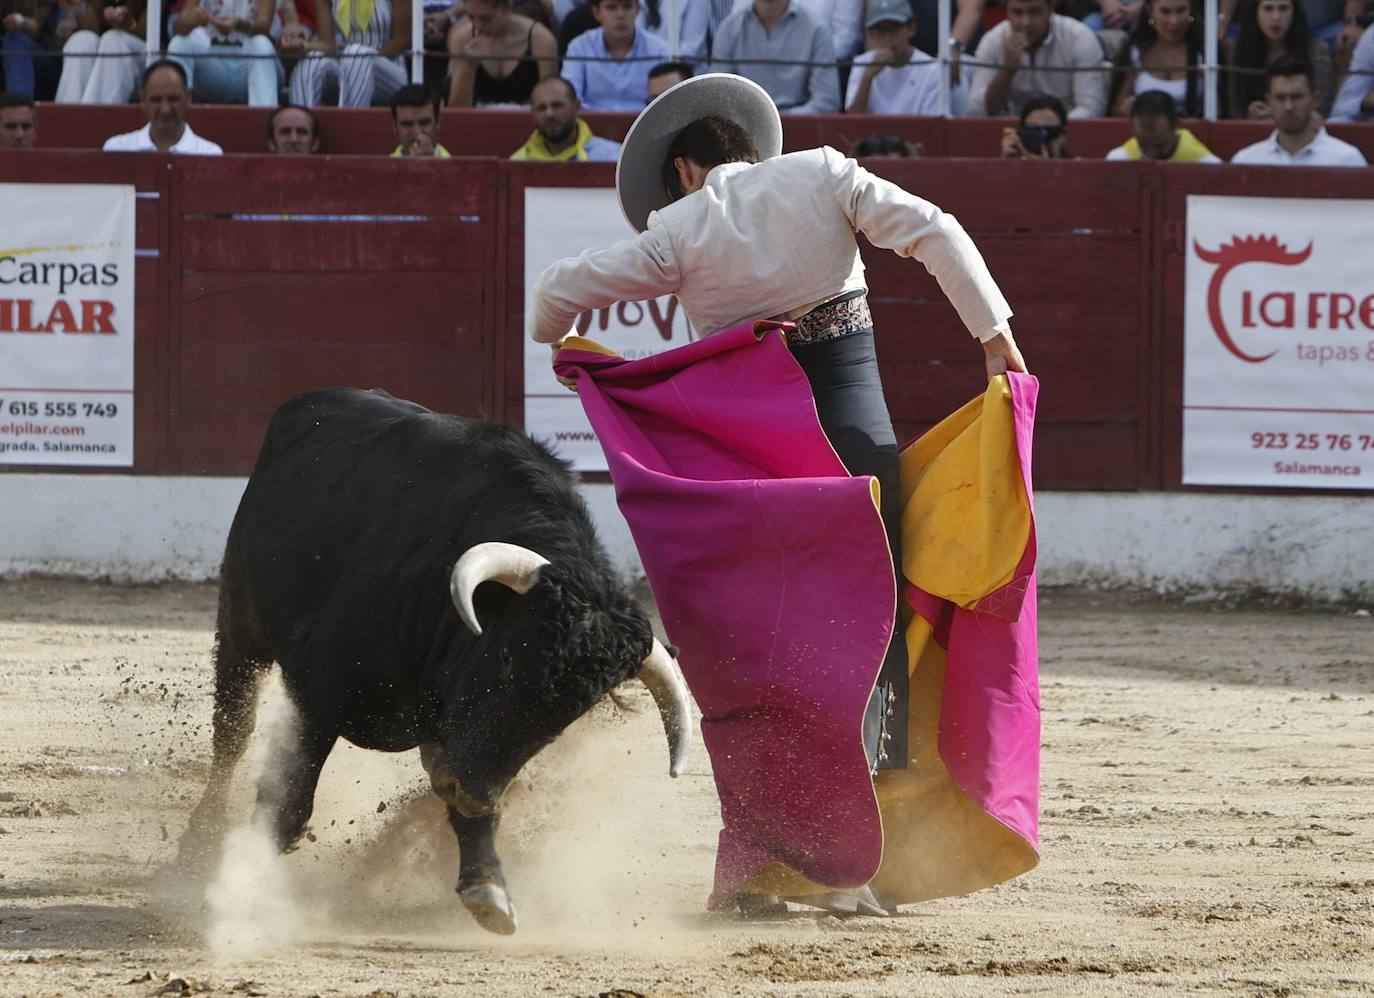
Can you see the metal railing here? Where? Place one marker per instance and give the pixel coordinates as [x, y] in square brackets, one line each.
[1209, 67]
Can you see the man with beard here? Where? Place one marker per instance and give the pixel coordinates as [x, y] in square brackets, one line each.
[1300, 138]
[559, 134]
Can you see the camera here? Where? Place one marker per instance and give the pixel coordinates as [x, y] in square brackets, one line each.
[1034, 138]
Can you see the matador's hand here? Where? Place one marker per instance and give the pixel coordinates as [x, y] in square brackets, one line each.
[1002, 355]
[568, 383]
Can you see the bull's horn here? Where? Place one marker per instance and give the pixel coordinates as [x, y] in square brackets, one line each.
[664, 680]
[492, 561]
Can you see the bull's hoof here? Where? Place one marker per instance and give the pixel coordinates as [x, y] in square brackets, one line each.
[491, 906]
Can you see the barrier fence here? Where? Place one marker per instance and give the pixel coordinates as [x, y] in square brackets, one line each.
[1210, 65]
[257, 280]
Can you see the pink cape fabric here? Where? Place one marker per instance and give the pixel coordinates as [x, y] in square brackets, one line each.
[990, 708]
[770, 567]
[771, 571]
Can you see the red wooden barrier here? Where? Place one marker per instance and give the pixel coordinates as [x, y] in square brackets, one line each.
[258, 280]
[486, 132]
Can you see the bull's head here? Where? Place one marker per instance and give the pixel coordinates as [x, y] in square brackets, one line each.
[555, 654]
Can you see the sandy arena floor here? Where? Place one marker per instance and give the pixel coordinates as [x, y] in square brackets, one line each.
[1207, 799]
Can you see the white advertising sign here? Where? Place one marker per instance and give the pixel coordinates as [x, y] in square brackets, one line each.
[560, 222]
[67, 324]
[1278, 376]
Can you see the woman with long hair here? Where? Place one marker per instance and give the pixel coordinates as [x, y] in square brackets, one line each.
[1164, 52]
[1270, 29]
[498, 55]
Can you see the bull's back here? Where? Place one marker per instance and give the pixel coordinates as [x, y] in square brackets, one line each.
[355, 507]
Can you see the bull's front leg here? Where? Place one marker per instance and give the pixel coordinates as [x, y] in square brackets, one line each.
[481, 885]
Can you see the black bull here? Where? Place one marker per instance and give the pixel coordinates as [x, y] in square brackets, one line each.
[422, 580]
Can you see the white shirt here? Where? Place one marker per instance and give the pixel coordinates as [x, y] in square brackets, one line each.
[910, 89]
[1323, 150]
[771, 240]
[190, 144]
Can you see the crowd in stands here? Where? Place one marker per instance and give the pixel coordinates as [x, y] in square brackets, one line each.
[1044, 62]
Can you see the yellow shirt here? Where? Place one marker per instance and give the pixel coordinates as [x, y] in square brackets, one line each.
[439, 152]
[587, 147]
[1189, 150]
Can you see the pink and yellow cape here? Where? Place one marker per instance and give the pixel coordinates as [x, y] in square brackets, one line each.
[771, 571]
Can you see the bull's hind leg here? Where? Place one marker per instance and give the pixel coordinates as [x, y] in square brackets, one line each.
[286, 788]
[481, 884]
[239, 668]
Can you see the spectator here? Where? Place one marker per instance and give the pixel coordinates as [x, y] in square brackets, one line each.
[1300, 138]
[1117, 15]
[1356, 99]
[1043, 133]
[1164, 52]
[101, 61]
[844, 18]
[608, 66]
[498, 55]
[1269, 29]
[559, 134]
[1154, 124]
[693, 19]
[28, 47]
[577, 20]
[297, 18]
[293, 131]
[225, 48]
[18, 121]
[1035, 51]
[666, 75]
[369, 70]
[884, 145]
[1332, 21]
[783, 30]
[164, 98]
[890, 76]
[415, 117]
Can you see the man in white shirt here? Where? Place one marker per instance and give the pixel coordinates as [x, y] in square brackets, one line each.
[739, 232]
[1300, 138]
[164, 99]
[1036, 51]
[892, 76]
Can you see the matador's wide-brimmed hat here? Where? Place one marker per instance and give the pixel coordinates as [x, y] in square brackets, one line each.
[639, 171]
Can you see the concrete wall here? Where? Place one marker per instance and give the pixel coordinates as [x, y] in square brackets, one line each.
[142, 529]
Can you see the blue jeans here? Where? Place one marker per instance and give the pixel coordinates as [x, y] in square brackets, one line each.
[28, 66]
[229, 74]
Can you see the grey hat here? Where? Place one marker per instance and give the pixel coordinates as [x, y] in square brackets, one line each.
[878, 11]
[639, 171]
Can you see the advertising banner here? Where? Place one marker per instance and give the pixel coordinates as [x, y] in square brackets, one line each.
[1278, 384]
[67, 324]
[564, 221]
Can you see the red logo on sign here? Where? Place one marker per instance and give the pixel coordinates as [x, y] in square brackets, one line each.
[1229, 256]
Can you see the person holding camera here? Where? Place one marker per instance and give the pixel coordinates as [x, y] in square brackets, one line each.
[1043, 132]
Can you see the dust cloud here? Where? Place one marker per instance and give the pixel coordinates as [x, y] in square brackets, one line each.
[250, 903]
